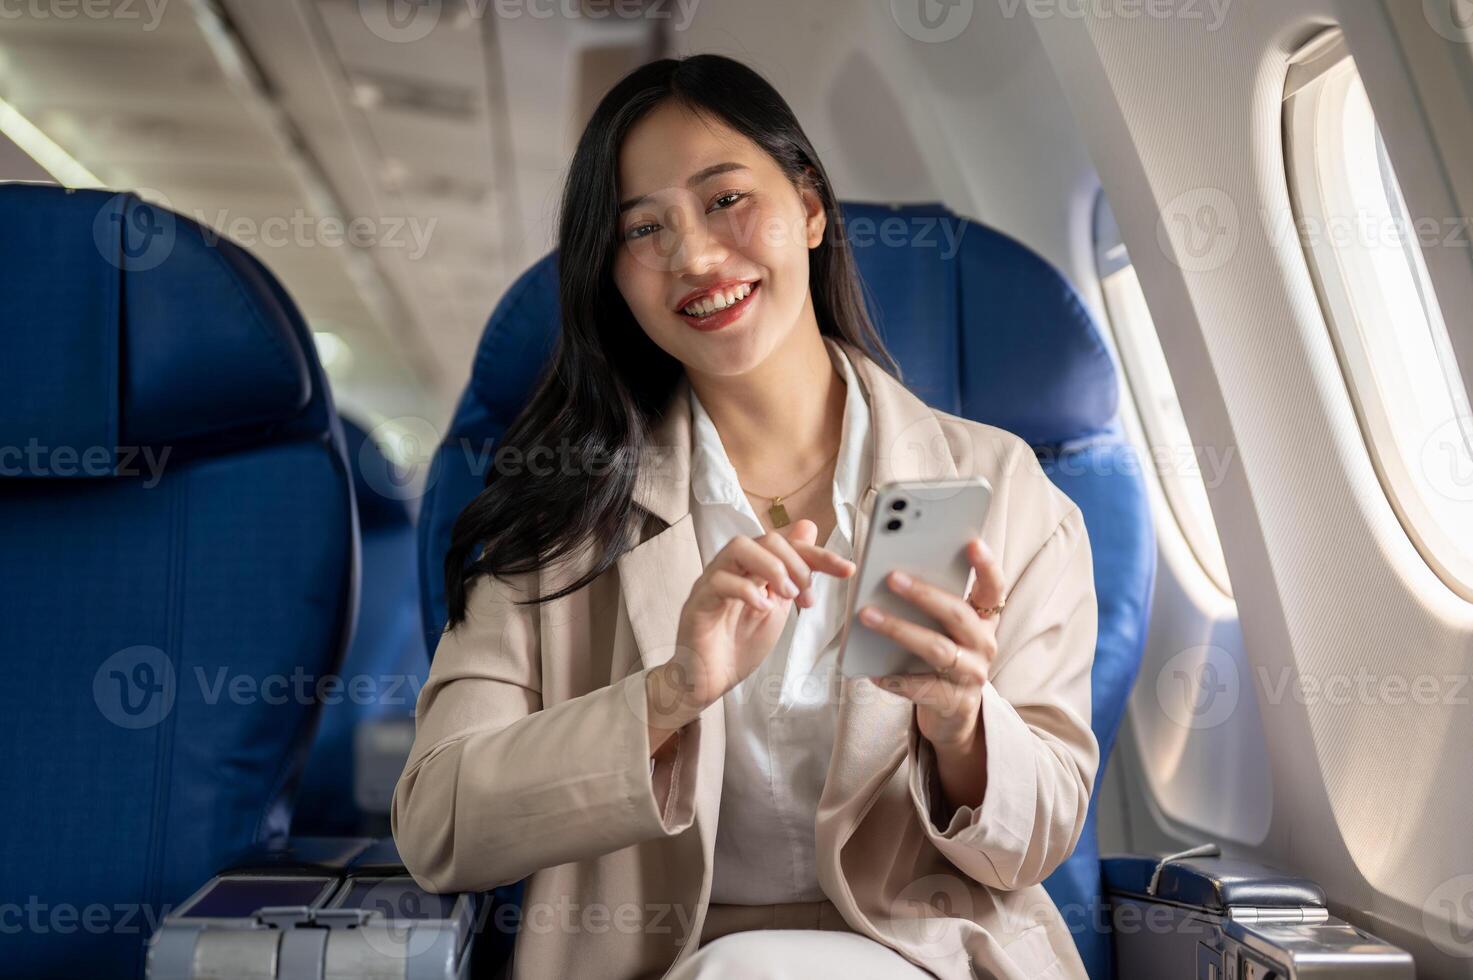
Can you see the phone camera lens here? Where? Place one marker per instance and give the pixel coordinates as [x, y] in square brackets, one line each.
[893, 524]
[898, 504]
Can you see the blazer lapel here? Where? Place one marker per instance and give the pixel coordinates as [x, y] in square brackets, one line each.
[874, 724]
[657, 574]
[655, 578]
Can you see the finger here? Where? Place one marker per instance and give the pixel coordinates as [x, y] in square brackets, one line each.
[823, 560]
[747, 557]
[936, 649]
[730, 585]
[987, 589]
[803, 535]
[947, 608]
[794, 544]
[801, 531]
[787, 553]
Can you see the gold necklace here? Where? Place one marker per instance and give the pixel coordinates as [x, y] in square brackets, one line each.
[776, 512]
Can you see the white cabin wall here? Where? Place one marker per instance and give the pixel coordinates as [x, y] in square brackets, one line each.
[1367, 798]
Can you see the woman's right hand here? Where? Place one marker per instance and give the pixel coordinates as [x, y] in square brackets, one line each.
[738, 607]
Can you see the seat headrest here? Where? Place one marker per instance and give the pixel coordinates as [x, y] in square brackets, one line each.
[127, 325]
[375, 481]
[981, 325]
[518, 341]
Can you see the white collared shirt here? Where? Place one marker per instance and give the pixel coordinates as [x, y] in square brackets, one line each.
[780, 720]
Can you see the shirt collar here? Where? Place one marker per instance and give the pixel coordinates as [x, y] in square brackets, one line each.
[714, 479]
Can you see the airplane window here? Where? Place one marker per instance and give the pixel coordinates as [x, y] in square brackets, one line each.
[1366, 255]
[1148, 379]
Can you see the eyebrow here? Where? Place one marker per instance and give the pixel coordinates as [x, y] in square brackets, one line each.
[714, 170]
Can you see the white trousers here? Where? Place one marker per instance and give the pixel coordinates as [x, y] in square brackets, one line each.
[793, 941]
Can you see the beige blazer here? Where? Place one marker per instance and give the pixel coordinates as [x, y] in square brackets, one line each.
[531, 756]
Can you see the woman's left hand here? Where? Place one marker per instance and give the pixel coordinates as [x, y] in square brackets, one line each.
[949, 698]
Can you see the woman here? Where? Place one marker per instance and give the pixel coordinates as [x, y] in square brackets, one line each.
[635, 702]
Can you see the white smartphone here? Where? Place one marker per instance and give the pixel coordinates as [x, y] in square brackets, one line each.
[921, 528]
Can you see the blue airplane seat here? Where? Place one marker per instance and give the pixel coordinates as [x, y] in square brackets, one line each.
[517, 342]
[177, 540]
[386, 665]
[982, 327]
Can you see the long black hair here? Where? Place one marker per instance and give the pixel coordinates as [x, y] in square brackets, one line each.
[608, 382]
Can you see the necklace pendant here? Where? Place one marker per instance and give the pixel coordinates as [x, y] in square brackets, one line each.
[778, 513]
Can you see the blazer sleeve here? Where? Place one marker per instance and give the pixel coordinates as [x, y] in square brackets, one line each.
[499, 785]
[1041, 753]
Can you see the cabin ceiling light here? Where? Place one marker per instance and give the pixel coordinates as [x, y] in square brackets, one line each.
[68, 171]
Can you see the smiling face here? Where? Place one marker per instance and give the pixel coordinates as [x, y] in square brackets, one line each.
[713, 242]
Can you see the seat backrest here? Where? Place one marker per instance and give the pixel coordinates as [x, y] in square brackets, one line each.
[177, 548]
[385, 667]
[982, 327]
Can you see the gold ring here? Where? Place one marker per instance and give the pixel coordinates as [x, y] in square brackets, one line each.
[990, 611]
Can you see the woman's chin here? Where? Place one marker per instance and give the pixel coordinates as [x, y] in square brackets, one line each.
[731, 351]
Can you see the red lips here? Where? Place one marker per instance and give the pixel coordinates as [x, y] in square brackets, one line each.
[723, 317]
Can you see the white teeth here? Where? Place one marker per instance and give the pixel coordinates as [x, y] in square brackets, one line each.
[719, 300]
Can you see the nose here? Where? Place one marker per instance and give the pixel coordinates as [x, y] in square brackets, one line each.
[695, 251]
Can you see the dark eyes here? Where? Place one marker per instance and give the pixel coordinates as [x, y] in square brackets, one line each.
[731, 197]
[722, 201]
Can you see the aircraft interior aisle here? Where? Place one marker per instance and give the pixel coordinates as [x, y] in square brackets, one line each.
[634, 489]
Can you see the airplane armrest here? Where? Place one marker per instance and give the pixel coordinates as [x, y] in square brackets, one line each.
[300, 856]
[1217, 917]
[320, 907]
